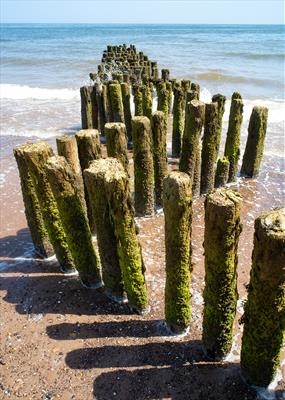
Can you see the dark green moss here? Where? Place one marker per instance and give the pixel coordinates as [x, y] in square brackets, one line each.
[116, 102]
[116, 142]
[138, 99]
[222, 172]
[147, 101]
[178, 125]
[125, 88]
[221, 100]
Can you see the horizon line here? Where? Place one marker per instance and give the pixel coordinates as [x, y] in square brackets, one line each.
[137, 23]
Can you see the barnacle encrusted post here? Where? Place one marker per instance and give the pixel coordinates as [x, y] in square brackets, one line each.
[128, 246]
[89, 107]
[177, 127]
[94, 177]
[194, 120]
[89, 149]
[116, 142]
[138, 99]
[222, 172]
[255, 142]
[222, 230]
[126, 96]
[147, 101]
[159, 154]
[162, 100]
[221, 100]
[209, 148]
[177, 200]
[33, 211]
[116, 102]
[264, 312]
[232, 146]
[143, 166]
[36, 156]
[64, 184]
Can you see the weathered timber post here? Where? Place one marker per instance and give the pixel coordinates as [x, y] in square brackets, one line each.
[264, 311]
[36, 156]
[165, 74]
[89, 107]
[116, 142]
[94, 177]
[255, 142]
[106, 103]
[129, 250]
[170, 96]
[191, 95]
[143, 166]
[101, 108]
[222, 172]
[177, 128]
[209, 148]
[126, 96]
[222, 230]
[159, 154]
[64, 183]
[195, 87]
[116, 102]
[33, 211]
[138, 99]
[221, 100]
[89, 149]
[177, 200]
[194, 119]
[147, 101]
[163, 101]
[232, 147]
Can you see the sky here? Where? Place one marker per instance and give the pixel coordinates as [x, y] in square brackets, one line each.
[143, 11]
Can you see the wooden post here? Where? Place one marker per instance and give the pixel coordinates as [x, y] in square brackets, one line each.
[195, 87]
[232, 147]
[94, 177]
[194, 119]
[116, 102]
[33, 212]
[165, 74]
[177, 200]
[177, 128]
[209, 148]
[222, 230]
[129, 250]
[222, 172]
[162, 100]
[221, 100]
[36, 156]
[116, 142]
[159, 154]
[255, 142]
[147, 101]
[138, 99]
[143, 166]
[125, 88]
[264, 312]
[64, 183]
[89, 107]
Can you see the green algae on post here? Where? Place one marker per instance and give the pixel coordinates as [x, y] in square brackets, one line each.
[143, 166]
[125, 88]
[116, 142]
[33, 211]
[221, 100]
[209, 148]
[36, 156]
[264, 311]
[163, 100]
[255, 142]
[177, 127]
[138, 99]
[89, 107]
[129, 250]
[116, 102]
[222, 230]
[147, 101]
[63, 182]
[94, 177]
[177, 200]
[222, 172]
[159, 154]
[232, 146]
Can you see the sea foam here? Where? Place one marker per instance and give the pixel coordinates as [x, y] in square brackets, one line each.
[21, 92]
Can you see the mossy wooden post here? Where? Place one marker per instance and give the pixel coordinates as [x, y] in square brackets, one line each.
[170, 96]
[195, 87]
[129, 250]
[94, 177]
[89, 149]
[89, 107]
[209, 148]
[264, 311]
[221, 100]
[232, 147]
[177, 200]
[222, 230]
[194, 120]
[116, 142]
[64, 183]
[163, 100]
[159, 154]
[116, 102]
[143, 166]
[222, 172]
[255, 142]
[138, 99]
[32, 207]
[126, 96]
[101, 108]
[165, 74]
[177, 127]
[147, 101]
[36, 156]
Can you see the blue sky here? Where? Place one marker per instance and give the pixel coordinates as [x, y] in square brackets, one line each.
[147, 11]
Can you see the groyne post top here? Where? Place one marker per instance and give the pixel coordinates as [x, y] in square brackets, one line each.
[89, 148]
[116, 141]
[67, 147]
